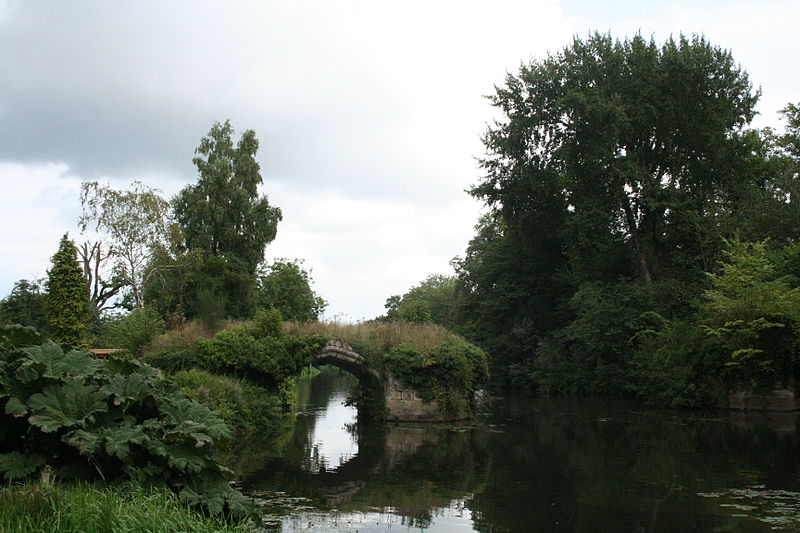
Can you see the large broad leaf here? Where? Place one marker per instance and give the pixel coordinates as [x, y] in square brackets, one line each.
[15, 336]
[193, 420]
[129, 388]
[118, 440]
[86, 441]
[66, 405]
[52, 362]
[26, 373]
[16, 465]
[15, 407]
[185, 458]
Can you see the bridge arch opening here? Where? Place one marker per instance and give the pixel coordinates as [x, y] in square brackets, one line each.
[369, 395]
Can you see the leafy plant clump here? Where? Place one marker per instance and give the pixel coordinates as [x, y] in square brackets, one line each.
[112, 420]
[450, 373]
[262, 353]
[244, 406]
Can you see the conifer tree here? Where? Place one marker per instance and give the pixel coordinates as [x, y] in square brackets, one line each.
[67, 304]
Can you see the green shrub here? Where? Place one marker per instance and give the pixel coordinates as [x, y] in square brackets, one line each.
[244, 406]
[450, 373]
[268, 361]
[133, 332]
[112, 419]
[675, 365]
[268, 323]
[752, 312]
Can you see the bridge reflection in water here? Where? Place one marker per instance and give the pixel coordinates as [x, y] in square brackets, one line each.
[546, 464]
[413, 474]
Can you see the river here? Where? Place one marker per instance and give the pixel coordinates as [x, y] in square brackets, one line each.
[530, 465]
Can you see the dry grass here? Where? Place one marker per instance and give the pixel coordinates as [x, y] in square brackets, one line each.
[186, 336]
[375, 337]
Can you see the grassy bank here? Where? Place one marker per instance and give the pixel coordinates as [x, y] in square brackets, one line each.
[39, 508]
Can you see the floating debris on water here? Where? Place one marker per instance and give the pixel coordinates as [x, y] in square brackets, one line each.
[779, 508]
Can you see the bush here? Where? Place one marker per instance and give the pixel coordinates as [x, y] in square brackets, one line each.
[267, 360]
[752, 312]
[114, 419]
[675, 365]
[244, 406]
[133, 332]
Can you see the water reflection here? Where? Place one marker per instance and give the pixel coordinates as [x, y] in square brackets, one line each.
[534, 466]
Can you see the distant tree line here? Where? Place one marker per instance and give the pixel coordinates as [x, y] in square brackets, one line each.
[199, 256]
[639, 236]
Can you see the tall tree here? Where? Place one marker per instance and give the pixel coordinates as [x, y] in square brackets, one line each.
[67, 304]
[633, 140]
[223, 213]
[135, 222]
[614, 160]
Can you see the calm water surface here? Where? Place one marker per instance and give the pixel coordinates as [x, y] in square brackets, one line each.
[541, 465]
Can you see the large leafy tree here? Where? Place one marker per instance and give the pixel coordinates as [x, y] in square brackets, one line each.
[135, 223]
[614, 160]
[67, 303]
[286, 286]
[223, 213]
[635, 144]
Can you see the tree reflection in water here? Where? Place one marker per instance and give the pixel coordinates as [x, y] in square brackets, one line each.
[539, 466]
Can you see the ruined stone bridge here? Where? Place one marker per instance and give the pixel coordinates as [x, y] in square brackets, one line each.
[400, 403]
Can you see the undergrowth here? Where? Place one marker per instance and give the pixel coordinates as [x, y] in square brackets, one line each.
[83, 508]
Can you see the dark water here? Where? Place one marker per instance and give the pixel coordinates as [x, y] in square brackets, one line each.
[543, 465]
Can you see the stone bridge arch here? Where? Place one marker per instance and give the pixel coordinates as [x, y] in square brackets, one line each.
[399, 403]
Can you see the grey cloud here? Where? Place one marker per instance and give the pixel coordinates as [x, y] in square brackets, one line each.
[116, 90]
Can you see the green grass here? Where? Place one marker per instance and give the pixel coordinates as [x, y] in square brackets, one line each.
[39, 508]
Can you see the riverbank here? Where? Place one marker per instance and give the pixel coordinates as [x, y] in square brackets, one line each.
[54, 508]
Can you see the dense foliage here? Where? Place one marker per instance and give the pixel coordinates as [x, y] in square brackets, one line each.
[132, 332]
[25, 305]
[618, 172]
[112, 420]
[247, 408]
[433, 300]
[223, 213]
[67, 300]
[286, 286]
[262, 353]
[451, 373]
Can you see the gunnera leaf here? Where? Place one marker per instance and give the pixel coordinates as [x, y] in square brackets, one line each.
[16, 336]
[51, 360]
[185, 459]
[15, 407]
[118, 440]
[129, 388]
[86, 441]
[16, 465]
[194, 420]
[65, 405]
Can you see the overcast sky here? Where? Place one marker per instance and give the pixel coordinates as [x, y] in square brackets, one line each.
[369, 113]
